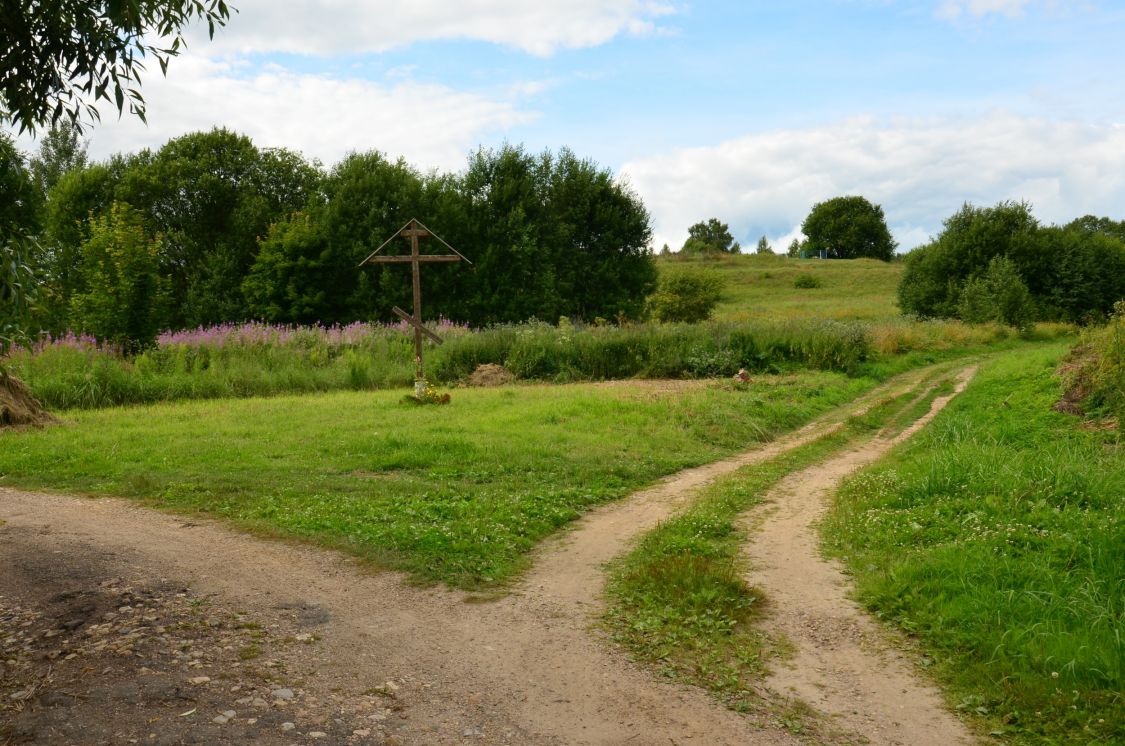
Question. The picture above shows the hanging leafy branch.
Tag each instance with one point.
(60, 57)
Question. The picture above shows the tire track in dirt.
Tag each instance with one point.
(521, 669)
(843, 664)
(568, 567)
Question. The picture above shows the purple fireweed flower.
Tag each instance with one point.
(262, 334)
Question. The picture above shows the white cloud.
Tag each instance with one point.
(919, 171)
(431, 125)
(541, 27)
(954, 9)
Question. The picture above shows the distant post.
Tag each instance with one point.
(414, 231)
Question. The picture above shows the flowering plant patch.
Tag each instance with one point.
(425, 393)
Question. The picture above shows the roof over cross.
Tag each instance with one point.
(414, 230)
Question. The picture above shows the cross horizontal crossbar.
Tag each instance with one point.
(407, 259)
(413, 225)
(416, 323)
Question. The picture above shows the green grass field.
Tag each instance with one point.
(762, 287)
(458, 493)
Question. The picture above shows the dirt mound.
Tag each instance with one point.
(1074, 372)
(490, 374)
(18, 407)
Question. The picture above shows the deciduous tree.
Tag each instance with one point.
(710, 237)
(125, 299)
(1073, 273)
(61, 150)
(60, 57)
(848, 228)
(19, 219)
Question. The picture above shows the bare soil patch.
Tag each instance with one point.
(93, 650)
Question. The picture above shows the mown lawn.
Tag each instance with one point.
(457, 493)
(997, 538)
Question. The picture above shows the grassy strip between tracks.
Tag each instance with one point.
(996, 537)
(679, 600)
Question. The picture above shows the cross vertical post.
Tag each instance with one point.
(416, 271)
(414, 230)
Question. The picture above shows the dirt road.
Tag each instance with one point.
(842, 666)
(301, 645)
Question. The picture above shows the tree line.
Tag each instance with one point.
(987, 264)
(1000, 264)
(210, 228)
(847, 227)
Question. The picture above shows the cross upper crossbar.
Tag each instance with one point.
(415, 230)
(411, 258)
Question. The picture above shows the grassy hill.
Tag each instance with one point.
(761, 287)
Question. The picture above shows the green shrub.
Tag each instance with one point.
(999, 295)
(806, 280)
(686, 295)
(126, 297)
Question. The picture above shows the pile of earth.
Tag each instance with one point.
(491, 374)
(18, 407)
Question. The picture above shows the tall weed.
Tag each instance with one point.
(258, 359)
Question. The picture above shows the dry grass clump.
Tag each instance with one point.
(899, 336)
(18, 408)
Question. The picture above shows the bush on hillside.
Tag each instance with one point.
(805, 280)
(1095, 375)
(686, 295)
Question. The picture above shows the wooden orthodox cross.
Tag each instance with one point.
(414, 231)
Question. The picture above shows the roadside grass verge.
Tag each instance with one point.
(1094, 372)
(457, 494)
(679, 600)
(996, 537)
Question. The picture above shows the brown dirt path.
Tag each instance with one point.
(843, 664)
(522, 669)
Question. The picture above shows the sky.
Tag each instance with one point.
(751, 112)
